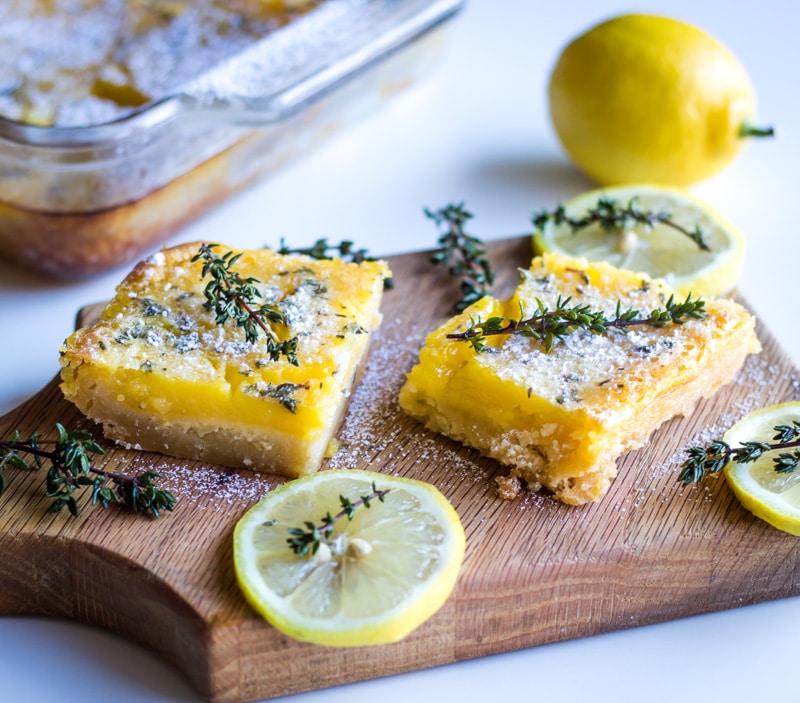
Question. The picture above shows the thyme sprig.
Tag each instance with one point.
(463, 253)
(322, 250)
(707, 460)
(232, 296)
(307, 541)
(550, 326)
(613, 217)
(71, 469)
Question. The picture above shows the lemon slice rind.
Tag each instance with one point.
(409, 501)
(663, 252)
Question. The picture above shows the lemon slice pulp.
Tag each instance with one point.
(374, 580)
(770, 495)
(661, 251)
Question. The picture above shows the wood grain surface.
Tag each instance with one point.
(535, 572)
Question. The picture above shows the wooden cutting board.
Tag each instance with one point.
(536, 571)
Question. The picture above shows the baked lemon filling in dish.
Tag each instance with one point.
(559, 412)
(162, 374)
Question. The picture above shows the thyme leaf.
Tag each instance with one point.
(704, 461)
(550, 326)
(616, 218)
(463, 253)
(231, 296)
(71, 469)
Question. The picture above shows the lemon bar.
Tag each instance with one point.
(560, 418)
(161, 374)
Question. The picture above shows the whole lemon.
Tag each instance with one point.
(642, 98)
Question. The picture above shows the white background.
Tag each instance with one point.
(475, 130)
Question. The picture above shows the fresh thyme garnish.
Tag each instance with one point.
(715, 456)
(550, 325)
(613, 217)
(345, 250)
(283, 393)
(232, 296)
(307, 541)
(71, 469)
(468, 251)
(321, 247)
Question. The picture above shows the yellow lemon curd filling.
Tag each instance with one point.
(560, 418)
(160, 374)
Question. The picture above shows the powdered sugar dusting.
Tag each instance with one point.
(757, 384)
(371, 435)
(368, 431)
(230, 490)
(757, 372)
(212, 488)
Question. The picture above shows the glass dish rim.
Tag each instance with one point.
(405, 21)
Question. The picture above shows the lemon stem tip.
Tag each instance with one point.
(748, 130)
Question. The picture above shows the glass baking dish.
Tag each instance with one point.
(79, 200)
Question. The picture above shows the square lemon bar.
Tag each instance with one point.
(560, 418)
(161, 374)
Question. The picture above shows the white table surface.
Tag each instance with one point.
(476, 130)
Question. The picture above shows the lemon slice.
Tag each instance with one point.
(771, 495)
(661, 251)
(372, 581)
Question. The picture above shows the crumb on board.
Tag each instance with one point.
(508, 487)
